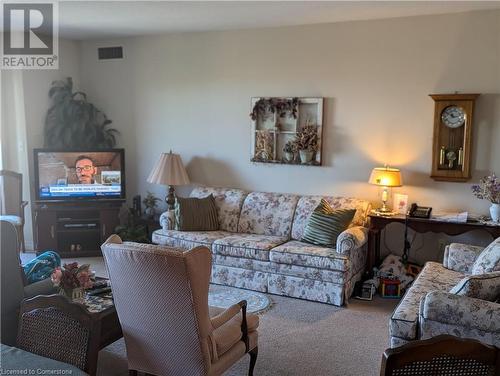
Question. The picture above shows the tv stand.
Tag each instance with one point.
(74, 229)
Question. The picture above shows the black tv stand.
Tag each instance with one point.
(74, 229)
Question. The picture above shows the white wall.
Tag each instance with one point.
(36, 85)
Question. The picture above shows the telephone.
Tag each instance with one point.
(419, 211)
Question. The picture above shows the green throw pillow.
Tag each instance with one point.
(325, 224)
(196, 214)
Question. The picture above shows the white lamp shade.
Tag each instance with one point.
(169, 170)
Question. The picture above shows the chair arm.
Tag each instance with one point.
(459, 312)
(352, 238)
(228, 314)
(43, 287)
(460, 257)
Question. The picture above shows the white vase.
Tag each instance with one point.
(495, 212)
(306, 156)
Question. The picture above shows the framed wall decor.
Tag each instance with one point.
(452, 141)
(287, 130)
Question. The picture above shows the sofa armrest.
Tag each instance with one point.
(450, 310)
(352, 238)
(460, 257)
(167, 220)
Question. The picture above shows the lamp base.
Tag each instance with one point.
(170, 199)
(387, 213)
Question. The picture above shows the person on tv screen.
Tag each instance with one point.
(85, 170)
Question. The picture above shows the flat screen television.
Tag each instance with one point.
(76, 175)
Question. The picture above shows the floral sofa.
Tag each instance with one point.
(429, 308)
(258, 245)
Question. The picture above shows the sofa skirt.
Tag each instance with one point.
(285, 285)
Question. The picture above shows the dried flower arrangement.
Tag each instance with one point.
(488, 189)
(307, 138)
(282, 106)
(72, 276)
(263, 146)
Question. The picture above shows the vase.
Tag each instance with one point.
(305, 156)
(73, 294)
(288, 156)
(495, 212)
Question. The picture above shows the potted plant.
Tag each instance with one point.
(290, 149)
(72, 280)
(150, 202)
(307, 143)
(72, 122)
(489, 189)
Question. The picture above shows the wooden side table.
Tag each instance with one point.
(420, 225)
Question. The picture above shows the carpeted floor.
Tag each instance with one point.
(298, 337)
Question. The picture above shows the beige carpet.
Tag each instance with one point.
(297, 337)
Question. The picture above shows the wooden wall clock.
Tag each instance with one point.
(451, 150)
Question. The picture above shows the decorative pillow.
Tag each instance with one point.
(489, 259)
(196, 214)
(481, 286)
(325, 224)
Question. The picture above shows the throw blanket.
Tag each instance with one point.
(42, 266)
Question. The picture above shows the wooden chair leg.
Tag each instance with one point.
(253, 359)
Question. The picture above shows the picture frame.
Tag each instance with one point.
(400, 203)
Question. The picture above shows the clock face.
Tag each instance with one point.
(453, 116)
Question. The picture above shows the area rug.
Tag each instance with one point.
(225, 296)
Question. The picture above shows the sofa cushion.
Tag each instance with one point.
(325, 224)
(187, 239)
(250, 246)
(228, 334)
(489, 259)
(304, 254)
(196, 214)
(242, 263)
(434, 276)
(307, 204)
(267, 214)
(228, 202)
(480, 286)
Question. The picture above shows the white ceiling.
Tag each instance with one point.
(108, 19)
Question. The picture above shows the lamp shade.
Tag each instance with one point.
(169, 170)
(385, 176)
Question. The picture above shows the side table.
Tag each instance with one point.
(420, 225)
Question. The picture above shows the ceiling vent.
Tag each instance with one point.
(110, 53)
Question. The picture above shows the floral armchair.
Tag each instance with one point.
(459, 297)
(471, 309)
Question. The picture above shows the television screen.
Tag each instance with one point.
(62, 175)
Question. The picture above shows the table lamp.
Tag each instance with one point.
(385, 177)
(170, 171)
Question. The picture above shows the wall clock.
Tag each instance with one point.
(451, 151)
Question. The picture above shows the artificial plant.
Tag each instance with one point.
(74, 123)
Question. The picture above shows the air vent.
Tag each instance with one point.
(109, 53)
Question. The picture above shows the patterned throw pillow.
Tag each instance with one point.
(196, 214)
(325, 224)
(489, 259)
(481, 286)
